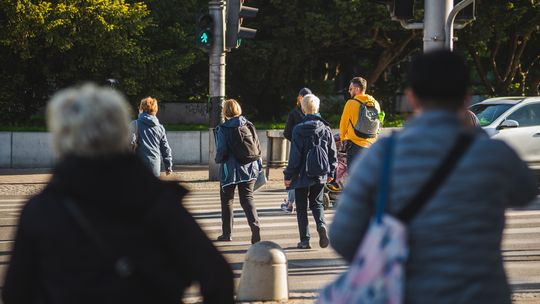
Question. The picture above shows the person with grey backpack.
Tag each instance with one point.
(312, 163)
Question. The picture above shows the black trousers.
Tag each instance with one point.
(311, 196)
(245, 192)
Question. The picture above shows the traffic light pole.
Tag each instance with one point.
(435, 15)
(217, 81)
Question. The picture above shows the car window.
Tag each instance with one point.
(526, 116)
(487, 113)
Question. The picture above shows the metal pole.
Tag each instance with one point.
(449, 27)
(216, 9)
(435, 16)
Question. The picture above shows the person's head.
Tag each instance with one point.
(357, 86)
(148, 105)
(310, 104)
(231, 108)
(88, 121)
(303, 92)
(438, 80)
(469, 119)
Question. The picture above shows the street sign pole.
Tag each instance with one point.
(435, 15)
(217, 81)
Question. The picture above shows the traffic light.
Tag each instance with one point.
(399, 9)
(203, 34)
(236, 11)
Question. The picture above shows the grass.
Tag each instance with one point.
(395, 122)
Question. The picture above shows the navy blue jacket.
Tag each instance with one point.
(301, 142)
(231, 171)
(152, 143)
(295, 117)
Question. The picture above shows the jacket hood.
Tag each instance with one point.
(147, 119)
(116, 182)
(312, 124)
(235, 122)
(365, 98)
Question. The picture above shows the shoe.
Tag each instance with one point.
(224, 238)
(303, 245)
(285, 207)
(255, 236)
(323, 236)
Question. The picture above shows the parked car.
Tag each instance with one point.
(515, 120)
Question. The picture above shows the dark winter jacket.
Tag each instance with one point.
(295, 117)
(231, 171)
(152, 143)
(300, 145)
(136, 215)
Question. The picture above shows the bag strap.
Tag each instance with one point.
(437, 178)
(384, 181)
(122, 265)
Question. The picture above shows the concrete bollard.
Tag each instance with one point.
(264, 274)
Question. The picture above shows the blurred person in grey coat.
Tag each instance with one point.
(455, 239)
(150, 138)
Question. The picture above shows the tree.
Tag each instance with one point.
(503, 45)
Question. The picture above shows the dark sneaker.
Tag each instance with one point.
(323, 236)
(303, 245)
(224, 238)
(255, 236)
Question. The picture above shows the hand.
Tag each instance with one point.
(287, 183)
(329, 179)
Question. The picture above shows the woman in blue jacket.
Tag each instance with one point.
(150, 138)
(233, 173)
(311, 132)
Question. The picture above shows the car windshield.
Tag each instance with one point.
(487, 113)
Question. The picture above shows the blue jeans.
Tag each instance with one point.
(290, 196)
(313, 194)
(352, 153)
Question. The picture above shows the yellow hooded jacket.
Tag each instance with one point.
(350, 116)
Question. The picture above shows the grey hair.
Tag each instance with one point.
(89, 121)
(310, 104)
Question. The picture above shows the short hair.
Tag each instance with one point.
(359, 82)
(89, 121)
(304, 91)
(231, 108)
(310, 104)
(149, 105)
(440, 79)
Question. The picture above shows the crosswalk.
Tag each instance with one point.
(309, 270)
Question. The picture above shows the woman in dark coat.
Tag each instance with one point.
(234, 174)
(139, 245)
(309, 188)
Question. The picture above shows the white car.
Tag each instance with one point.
(515, 120)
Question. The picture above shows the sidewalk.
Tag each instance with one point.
(16, 182)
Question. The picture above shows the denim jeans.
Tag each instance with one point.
(314, 195)
(352, 153)
(245, 192)
(290, 196)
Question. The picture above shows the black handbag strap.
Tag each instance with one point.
(437, 178)
(122, 265)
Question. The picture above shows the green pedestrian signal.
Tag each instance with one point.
(204, 29)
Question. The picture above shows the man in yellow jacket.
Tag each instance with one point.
(349, 118)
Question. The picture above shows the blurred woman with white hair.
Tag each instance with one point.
(312, 163)
(105, 229)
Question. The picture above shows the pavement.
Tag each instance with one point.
(16, 182)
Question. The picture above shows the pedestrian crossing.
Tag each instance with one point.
(311, 269)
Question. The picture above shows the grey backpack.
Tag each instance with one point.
(368, 122)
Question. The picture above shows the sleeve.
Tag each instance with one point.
(344, 121)
(332, 153)
(523, 187)
(221, 146)
(295, 157)
(133, 127)
(287, 132)
(166, 152)
(20, 282)
(356, 202)
(203, 261)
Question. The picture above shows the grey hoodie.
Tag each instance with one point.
(152, 143)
